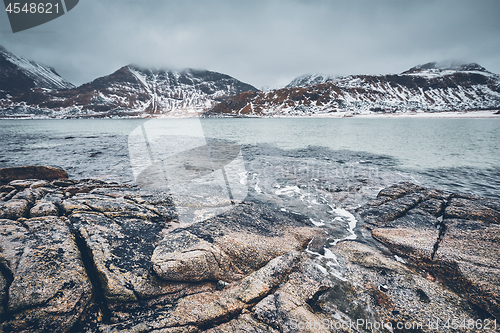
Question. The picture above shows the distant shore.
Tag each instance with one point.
(444, 114)
(420, 114)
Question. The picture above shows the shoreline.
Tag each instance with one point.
(444, 114)
(481, 114)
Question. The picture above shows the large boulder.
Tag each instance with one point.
(31, 172)
(229, 246)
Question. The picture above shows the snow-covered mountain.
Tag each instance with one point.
(134, 90)
(30, 89)
(20, 75)
(422, 88)
(309, 80)
(130, 91)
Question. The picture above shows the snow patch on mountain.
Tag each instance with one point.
(309, 80)
(41, 75)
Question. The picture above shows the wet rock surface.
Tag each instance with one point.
(90, 256)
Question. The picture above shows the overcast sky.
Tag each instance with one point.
(264, 43)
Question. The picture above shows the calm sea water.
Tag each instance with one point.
(452, 154)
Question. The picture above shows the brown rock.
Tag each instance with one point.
(181, 256)
(44, 208)
(209, 308)
(6, 188)
(288, 310)
(399, 190)
(228, 246)
(378, 288)
(475, 210)
(241, 271)
(474, 247)
(414, 235)
(3, 293)
(14, 209)
(31, 172)
(115, 207)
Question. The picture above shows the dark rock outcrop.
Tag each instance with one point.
(31, 172)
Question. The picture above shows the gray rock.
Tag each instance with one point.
(472, 249)
(414, 235)
(287, 309)
(406, 295)
(50, 288)
(243, 324)
(14, 209)
(3, 293)
(459, 248)
(121, 250)
(44, 208)
(206, 308)
(115, 207)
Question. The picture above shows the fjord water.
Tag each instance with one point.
(452, 154)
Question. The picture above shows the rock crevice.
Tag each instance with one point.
(93, 275)
(460, 252)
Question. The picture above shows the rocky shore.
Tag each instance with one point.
(91, 256)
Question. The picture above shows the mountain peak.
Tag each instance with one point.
(18, 73)
(445, 66)
(308, 80)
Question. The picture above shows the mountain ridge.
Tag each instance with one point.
(29, 89)
(422, 88)
(19, 75)
(129, 91)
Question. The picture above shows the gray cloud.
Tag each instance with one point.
(264, 43)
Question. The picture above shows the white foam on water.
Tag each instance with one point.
(351, 223)
(243, 178)
(256, 187)
(289, 190)
(318, 224)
